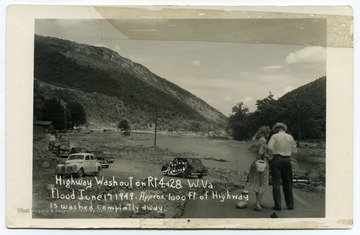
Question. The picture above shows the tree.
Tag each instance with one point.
(195, 126)
(300, 112)
(303, 110)
(76, 114)
(55, 112)
(124, 126)
(268, 111)
(240, 110)
(239, 122)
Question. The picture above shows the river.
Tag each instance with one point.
(232, 153)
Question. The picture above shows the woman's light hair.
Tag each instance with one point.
(262, 132)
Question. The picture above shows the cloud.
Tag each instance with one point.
(142, 30)
(228, 98)
(274, 67)
(247, 73)
(196, 63)
(289, 88)
(100, 45)
(117, 48)
(307, 55)
(68, 23)
(70, 29)
(226, 103)
(250, 103)
(137, 58)
(283, 92)
(274, 79)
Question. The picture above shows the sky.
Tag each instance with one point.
(220, 73)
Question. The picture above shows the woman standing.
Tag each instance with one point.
(259, 169)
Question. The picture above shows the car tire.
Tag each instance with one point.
(80, 173)
(186, 173)
(98, 171)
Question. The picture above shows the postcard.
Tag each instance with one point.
(177, 117)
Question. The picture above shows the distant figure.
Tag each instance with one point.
(282, 145)
(259, 178)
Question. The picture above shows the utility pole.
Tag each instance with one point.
(155, 125)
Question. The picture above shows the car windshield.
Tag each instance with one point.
(76, 157)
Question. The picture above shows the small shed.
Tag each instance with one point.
(47, 126)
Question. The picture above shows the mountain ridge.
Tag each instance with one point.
(92, 69)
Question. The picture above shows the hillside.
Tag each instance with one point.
(306, 109)
(111, 87)
(314, 95)
(302, 109)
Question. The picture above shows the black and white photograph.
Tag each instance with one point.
(171, 113)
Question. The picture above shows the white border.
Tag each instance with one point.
(354, 4)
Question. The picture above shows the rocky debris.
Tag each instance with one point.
(318, 189)
(231, 176)
(46, 164)
(318, 174)
(312, 152)
(317, 180)
(302, 186)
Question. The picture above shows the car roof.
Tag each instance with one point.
(84, 154)
(187, 158)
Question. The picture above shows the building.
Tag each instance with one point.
(47, 126)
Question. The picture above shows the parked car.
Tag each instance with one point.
(77, 150)
(53, 146)
(185, 167)
(299, 175)
(109, 158)
(103, 162)
(79, 164)
(63, 151)
(104, 157)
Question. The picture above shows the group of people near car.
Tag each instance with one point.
(277, 150)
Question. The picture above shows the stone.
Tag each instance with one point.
(46, 165)
(241, 204)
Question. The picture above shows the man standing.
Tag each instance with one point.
(282, 145)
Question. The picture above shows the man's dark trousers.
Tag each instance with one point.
(281, 172)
